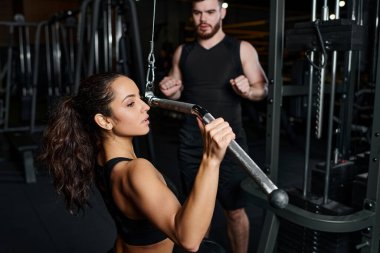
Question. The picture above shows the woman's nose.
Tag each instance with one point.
(145, 106)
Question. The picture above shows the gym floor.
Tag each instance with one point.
(33, 217)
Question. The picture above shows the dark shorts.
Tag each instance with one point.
(230, 194)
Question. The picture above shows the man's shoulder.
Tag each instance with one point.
(187, 47)
(188, 44)
(232, 43)
(232, 39)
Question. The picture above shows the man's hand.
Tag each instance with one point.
(241, 85)
(170, 86)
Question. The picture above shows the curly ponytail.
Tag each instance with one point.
(71, 139)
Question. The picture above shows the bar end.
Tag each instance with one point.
(279, 199)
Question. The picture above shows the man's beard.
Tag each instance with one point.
(206, 36)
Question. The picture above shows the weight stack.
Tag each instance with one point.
(293, 238)
(359, 190)
(340, 181)
(362, 162)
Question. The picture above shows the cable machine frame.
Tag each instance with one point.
(364, 220)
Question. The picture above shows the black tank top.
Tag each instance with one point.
(206, 75)
(134, 232)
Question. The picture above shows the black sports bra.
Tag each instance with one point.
(134, 232)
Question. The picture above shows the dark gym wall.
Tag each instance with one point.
(172, 23)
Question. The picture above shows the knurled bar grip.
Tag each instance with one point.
(277, 198)
(247, 162)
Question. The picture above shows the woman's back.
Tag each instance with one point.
(134, 235)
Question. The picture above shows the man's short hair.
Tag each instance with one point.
(219, 1)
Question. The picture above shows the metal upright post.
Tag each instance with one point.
(365, 221)
(107, 36)
(309, 113)
(56, 58)
(121, 52)
(36, 64)
(274, 99)
(80, 44)
(9, 77)
(351, 83)
(277, 15)
(93, 52)
(370, 236)
(331, 117)
(136, 44)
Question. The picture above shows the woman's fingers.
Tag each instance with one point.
(219, 128)
(218, 135)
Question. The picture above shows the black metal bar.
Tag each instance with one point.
(71, 42)
(276, 45)
(35, 74)
(15, 129)
(65, 57)
(274, 99)
(270, 229)
(121, 53)
(373, 182)
(80, 44)
(94, 26)
(22, 57)
(330, 132)
(16, 24)
(56, 53)
(306, 174)
(315, 221)
(48, 61)
(9, 78)
(275, 86)
(28, 60)
(136, 44)
(109, 42)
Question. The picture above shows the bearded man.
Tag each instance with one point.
(216, 72)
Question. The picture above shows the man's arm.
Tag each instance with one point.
(171, 85)
(253, 85)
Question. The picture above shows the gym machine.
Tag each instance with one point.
(20, 93)
(102, 35)
(316, 221)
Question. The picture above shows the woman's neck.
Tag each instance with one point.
(118, 147)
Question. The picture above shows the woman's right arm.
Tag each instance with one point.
(198, 208)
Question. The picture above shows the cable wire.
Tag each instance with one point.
(150, 76)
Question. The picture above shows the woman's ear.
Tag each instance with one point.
(102, 121)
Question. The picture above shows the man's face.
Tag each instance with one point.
(207, 16)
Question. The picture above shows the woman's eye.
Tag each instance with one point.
(130, 104)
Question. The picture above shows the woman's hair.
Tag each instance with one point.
(71, 139)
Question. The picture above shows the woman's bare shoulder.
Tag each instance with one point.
(135, 169)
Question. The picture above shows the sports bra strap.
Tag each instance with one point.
(108, 166)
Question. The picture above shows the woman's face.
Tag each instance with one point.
(129, 112)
